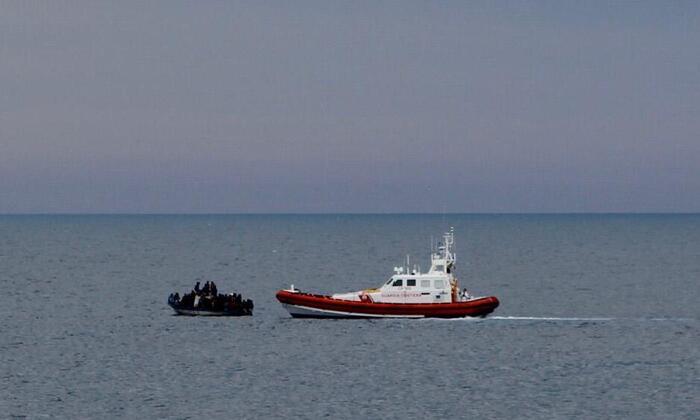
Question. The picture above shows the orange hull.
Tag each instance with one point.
(306, 305)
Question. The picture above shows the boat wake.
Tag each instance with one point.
(547, 318)
(567, 319)
(527, 318)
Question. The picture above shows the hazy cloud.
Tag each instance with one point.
(349, 106)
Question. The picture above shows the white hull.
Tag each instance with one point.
(309, 312)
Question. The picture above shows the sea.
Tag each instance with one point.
(599, 318)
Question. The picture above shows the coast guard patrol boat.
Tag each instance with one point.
(407, 294)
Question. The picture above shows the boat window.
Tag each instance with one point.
(439, 284)
(440, 268)
(389, 281)
(425, 284)
(398, 282)
(411, 282)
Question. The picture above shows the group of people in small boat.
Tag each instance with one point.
(207, 298)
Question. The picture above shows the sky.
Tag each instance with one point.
(349, 107)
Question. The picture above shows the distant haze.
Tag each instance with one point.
(188, 107)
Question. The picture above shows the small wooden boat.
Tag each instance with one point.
(208, 302)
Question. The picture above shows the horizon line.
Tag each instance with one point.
(553, 213)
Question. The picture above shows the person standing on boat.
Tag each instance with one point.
(196, 288)
(465, 294)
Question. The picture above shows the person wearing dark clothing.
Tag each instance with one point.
(248, 306)
(206, 288)
(196, 288)
(213, 288)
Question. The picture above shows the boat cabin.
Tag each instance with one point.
(438, 285)
(415, 288)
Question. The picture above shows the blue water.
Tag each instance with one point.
(599, 317)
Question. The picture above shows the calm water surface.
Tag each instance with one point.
(599, 317)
